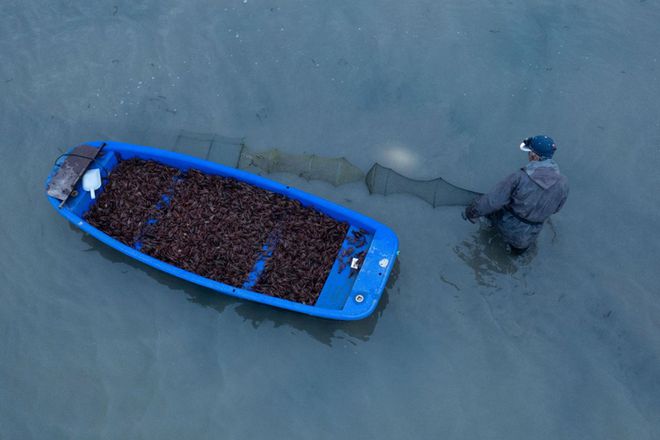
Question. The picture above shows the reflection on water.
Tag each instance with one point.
(323, 330)
(486, 253)
(171, 282)
(398, 156)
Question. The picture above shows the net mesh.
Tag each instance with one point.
(437, 192)
(337, 171)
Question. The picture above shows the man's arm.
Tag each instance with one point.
(495, 199)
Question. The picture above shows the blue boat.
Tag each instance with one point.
(346, 294)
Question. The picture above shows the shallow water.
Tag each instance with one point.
(467, 343)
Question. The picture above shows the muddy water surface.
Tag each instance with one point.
(467, 343)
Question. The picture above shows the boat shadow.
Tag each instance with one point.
(325, 331)
(258, 315)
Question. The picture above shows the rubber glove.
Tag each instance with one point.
(470, 214)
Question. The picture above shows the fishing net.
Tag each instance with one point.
(437, 192)
(336, 171)
(216, 148)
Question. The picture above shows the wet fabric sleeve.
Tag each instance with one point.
(499, 197)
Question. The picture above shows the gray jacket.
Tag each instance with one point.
(520, 204)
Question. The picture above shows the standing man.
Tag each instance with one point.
(519, 204)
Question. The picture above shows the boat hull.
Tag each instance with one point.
(343, 297)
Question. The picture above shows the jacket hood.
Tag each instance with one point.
(545, 173)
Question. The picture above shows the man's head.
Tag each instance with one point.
(539, 147)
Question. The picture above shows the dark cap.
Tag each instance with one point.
(543, 146)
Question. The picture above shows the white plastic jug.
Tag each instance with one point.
(92, 181)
